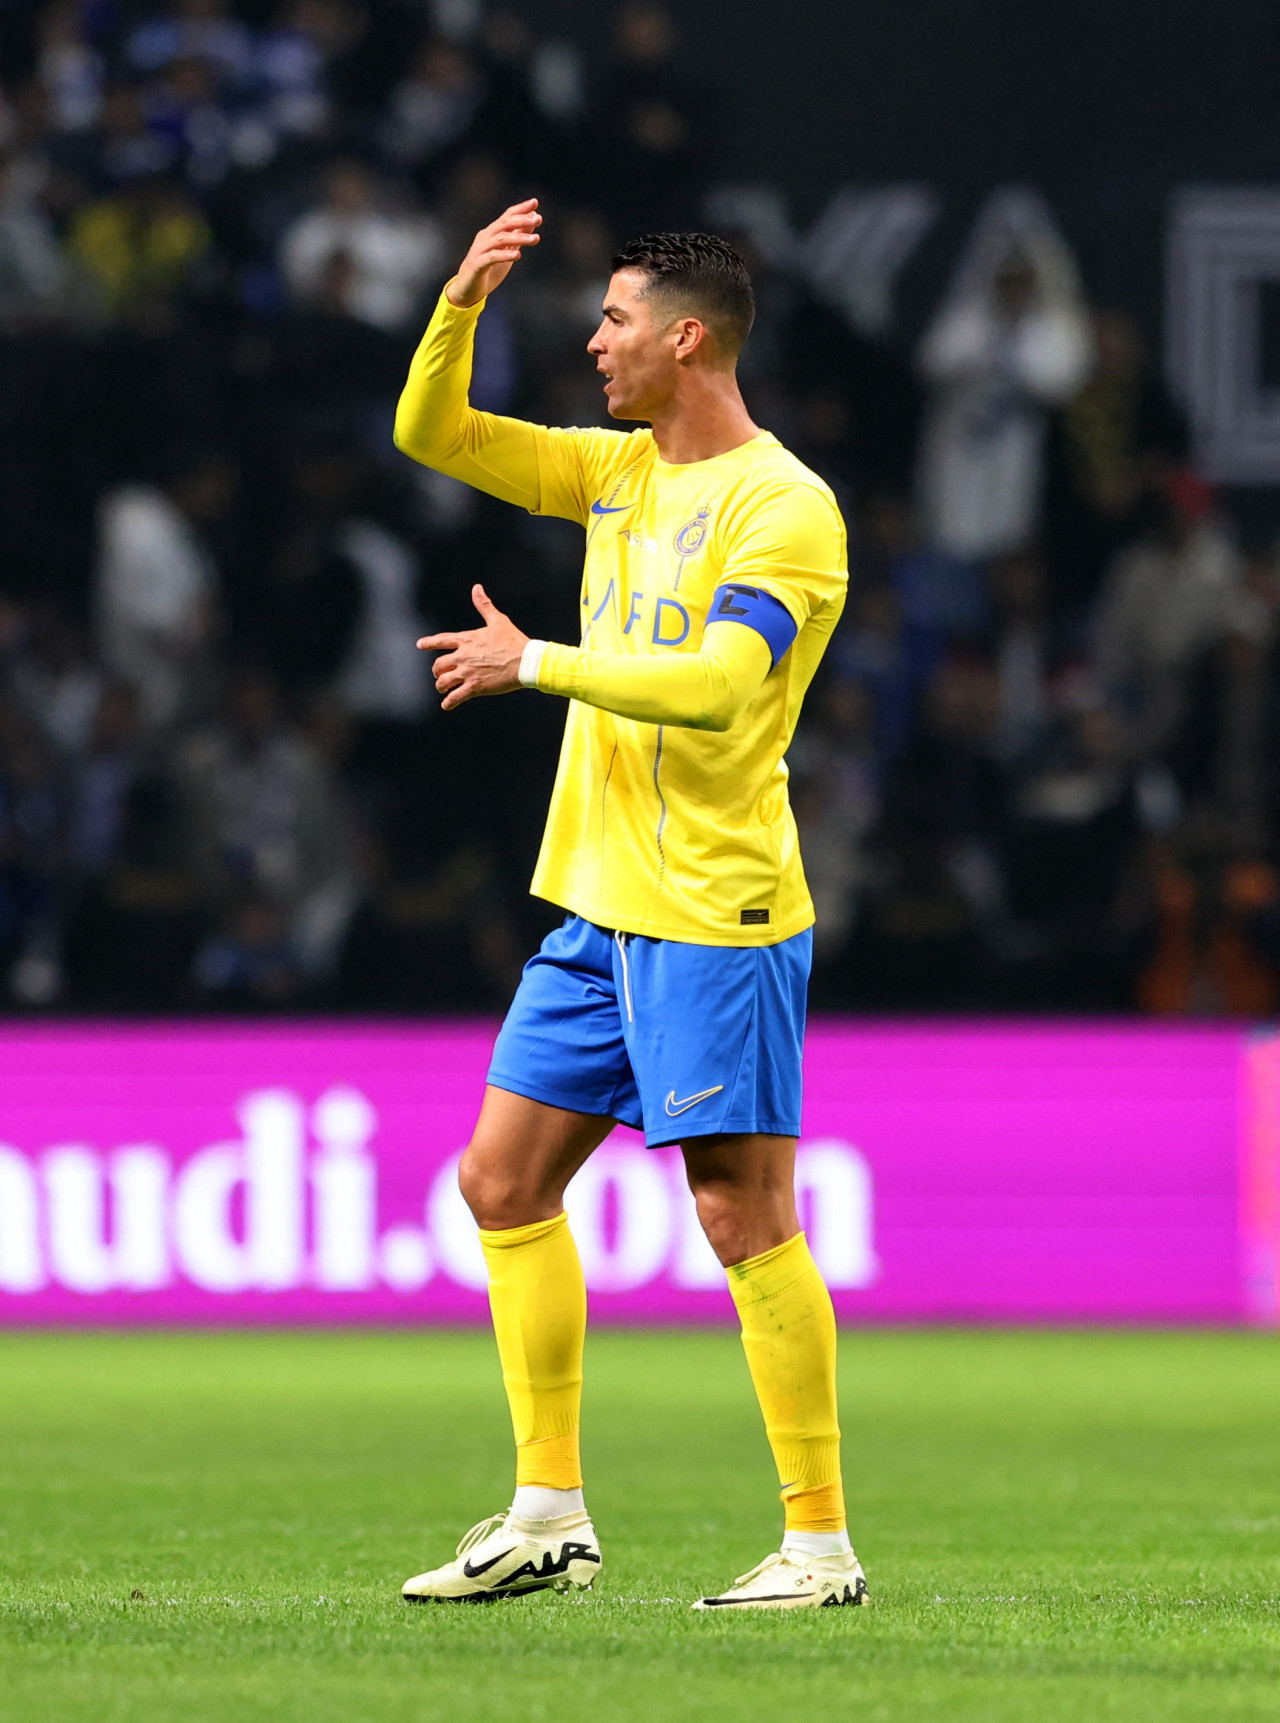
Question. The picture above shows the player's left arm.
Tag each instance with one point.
(704, 690)
(788, 559)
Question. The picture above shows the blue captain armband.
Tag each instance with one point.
(755, 609)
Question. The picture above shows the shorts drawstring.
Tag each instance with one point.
(620, 940)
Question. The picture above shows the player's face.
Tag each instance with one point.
(633, 351)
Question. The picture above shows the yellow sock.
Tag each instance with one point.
(539, 1303)
(789, 1336)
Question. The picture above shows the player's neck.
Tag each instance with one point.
(707, 417)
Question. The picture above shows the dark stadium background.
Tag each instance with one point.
(261, 906)
(268, 841)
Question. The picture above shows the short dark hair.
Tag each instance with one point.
(700, 270)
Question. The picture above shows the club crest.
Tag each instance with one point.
(688, 540)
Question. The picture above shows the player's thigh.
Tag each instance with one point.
(756, 1165)
(521, 1156)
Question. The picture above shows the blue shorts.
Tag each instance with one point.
(679, 1041)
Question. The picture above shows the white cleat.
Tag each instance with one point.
(790, 1580)
(507, 1557)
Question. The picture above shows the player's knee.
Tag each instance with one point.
(481, 1191)
(498, 1198)
(741, 1222)
(721, 1216)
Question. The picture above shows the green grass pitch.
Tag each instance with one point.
(198, 1527)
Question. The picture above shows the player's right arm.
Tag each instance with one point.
(541, 470)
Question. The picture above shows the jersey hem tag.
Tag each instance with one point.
(754, 918)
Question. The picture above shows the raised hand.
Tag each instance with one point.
(493, 250)
(481, 660)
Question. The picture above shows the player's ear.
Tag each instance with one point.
(691, 337)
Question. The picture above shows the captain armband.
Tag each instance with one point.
(768, 616)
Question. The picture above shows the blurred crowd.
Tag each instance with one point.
(1039, 770)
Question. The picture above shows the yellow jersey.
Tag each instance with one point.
(657, 828)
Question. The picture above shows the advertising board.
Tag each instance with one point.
(289, 1173)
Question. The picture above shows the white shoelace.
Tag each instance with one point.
(481, 1531)
(777, 1559)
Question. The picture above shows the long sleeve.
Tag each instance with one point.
(542, 469)
(704, 690)
(437, 425)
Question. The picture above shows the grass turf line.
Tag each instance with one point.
(1055, 1526)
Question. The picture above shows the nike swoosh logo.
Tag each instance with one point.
(747, 1603)
(484, 1566)
(675, 1107)
(598, 508)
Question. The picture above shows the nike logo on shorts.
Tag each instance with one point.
(675, 1107)
(598, 508)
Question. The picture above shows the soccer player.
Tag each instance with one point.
(673, 997)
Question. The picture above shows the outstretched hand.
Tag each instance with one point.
(493, 250)
(481, 660)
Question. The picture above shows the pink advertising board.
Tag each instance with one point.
(293, 1173)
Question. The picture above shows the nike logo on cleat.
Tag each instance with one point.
(850, 1595)
(484, 1566)
(674, 1107)
(550, 1566)
(598, 508)
(751, 1602)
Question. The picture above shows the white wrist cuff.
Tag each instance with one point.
(531, 662)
